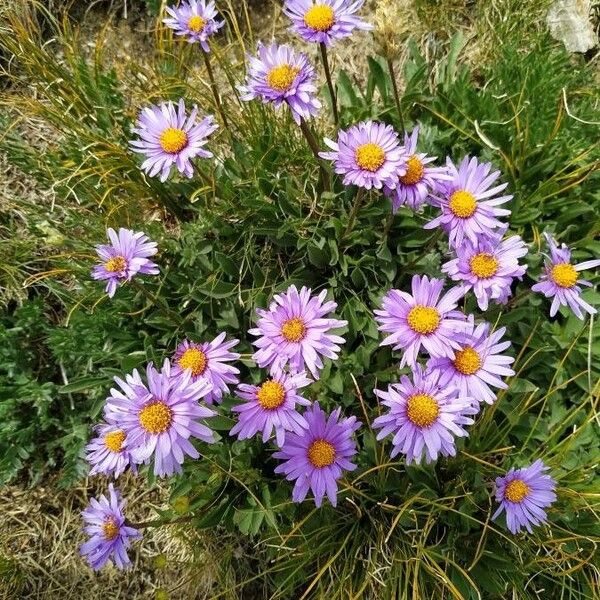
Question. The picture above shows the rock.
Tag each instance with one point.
(569, 22)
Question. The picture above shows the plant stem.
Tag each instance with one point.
(158, 302)
(160, 522)
(336, 117)
(355, 208)
(213, 87)
(314, 146)
(390, 65)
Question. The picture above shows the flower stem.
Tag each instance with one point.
(160, 522)
(314, 146)
(354, 212)
(213, 87)
(158, 302)
(336, 117)
(390, 65)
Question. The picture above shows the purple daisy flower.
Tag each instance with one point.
(469, 206)
(168, 137)
(295, 331)
(282, 76)
(324, 21)
(420, 179)
(488, 266)
(523, 494)
(478, 363)
(271, 405)
(208, 361)
(109, 536)
(160, 417)
(126, 256)
(421, 319)
(194, 19)
(368, 155)
(317, 456)
(424, 415)
(561, 281)
(108, 452)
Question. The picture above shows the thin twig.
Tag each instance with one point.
(336, 117)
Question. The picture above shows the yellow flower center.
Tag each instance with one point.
(369, 157)
(320, 17)
(110, 529)
(282, 77)
(422, 410)
(483, 265)
(423, 319)
(271, 395)
(467, 361)
(173, 140)
(196, 24)
(156, 417)
(463, 204)
(321, 454)
(114, 440)
(115, 264)
(194, 359)
(564, 275)
(293, 330)
(516, 490)
(414, 171)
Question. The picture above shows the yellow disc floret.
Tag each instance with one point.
(321, 454)
(414, 171)
(516, 490)
(467, 361)
(196, 24)
(564, 275)
(271, 395)
(156, 417)
(116, 264)
(423, 319)
(462, 204)
(319, 17)
(173, 140)
(293, 330)
(422, 410)
(281, 78)
(369, 157)
(483, 265)
(114, 440)
(194, 359)
(110, 529)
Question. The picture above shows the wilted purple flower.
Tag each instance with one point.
(282, 76)
(561, 281)
(368, 155)
(295, 331)
(468, 204)
(109, 536)
(271, 405)
(420, 179)
(523, 494)
(208, 361)
(126, 256)
(108, 452)
(168, 137)
(488, 266)
(317, 457)
(324, 21)
(424, 416)
(478, 363)
(160, 417)
(421, 319)
(194, 19)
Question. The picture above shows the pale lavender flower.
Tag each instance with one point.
(280, 75)
(424, 416)
(271, 405)
(524, 494)
(421, 319)
(317, 457)
(170, 138)
(110, 537)
(561, 281)
(296, 331)
(194, 19)
(208, 361)
(324, 21)
(108, 453)
(159, 417)
(125, 256)
(468, 202)
(368, 155)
